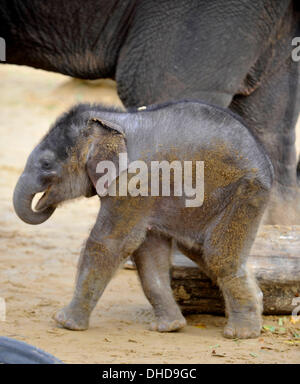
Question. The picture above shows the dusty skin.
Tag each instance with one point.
(38, 263)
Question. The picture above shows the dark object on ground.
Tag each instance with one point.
(17, 352)
(274, 260)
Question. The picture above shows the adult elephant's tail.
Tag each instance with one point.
(298, 171)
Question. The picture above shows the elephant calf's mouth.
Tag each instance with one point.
(43, 202)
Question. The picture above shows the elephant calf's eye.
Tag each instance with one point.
(46, 165)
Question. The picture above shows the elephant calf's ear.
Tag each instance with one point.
(103, 159)
(104, 126)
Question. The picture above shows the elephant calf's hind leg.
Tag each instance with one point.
(153, 264)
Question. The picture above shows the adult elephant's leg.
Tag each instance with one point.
(153, 264)
(271, 112)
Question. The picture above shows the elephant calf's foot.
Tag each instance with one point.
(71, 319)
(242, 326)
(165, 324)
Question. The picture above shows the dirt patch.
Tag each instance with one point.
(38, 264)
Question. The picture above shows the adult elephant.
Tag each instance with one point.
(234, 53)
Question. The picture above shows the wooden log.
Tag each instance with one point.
(274, 260)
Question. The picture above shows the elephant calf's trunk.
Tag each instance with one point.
(22, 200)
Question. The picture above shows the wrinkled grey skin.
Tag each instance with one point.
(233, 53)
(218, 235)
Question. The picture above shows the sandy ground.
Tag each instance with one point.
(38, 264)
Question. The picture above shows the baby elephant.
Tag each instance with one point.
(215, 229)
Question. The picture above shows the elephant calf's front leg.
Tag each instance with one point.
(95, 269)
